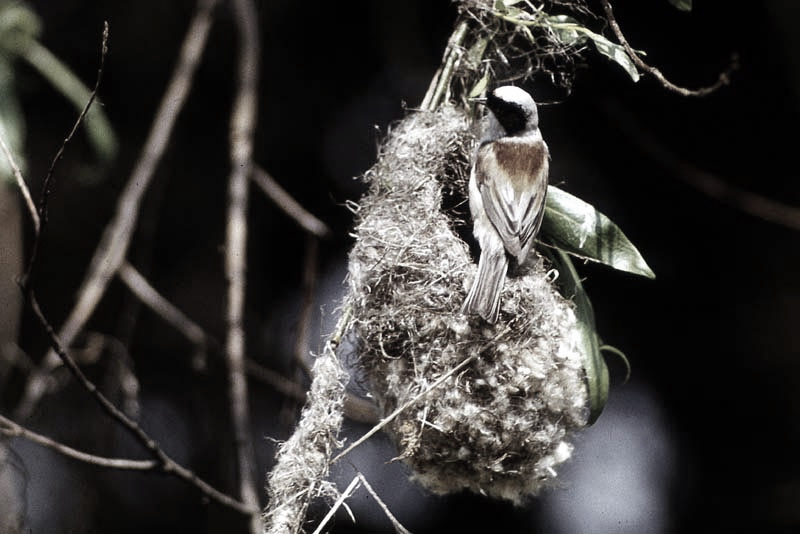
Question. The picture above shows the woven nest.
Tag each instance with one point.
(500, 425)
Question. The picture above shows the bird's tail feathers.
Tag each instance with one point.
(484, 296)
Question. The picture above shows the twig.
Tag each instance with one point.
(275, 380)
(398, 527)
(338, 504)
(165, 463)
(114, 244)
(440, 83)
(724, 77)
(196, 335)
(388, 419)
(243, 122)
(48, 180)
(715, 187)
(11, 429)
(36, 385)
(97, 125)
(23, 187)
(140, 287)
(289, 205)
(351, 488)
(355, 408)
(202, 341)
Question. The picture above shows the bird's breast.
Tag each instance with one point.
(519, 162)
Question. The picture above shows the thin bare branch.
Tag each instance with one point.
(275, 380)
(289, 205)
(48, 180)
(114, 244)
(243, 123)
(11, 429)
(440, 84)
(351, 488)
(165, 463)
(141, 287)
(23, 187)
(398, 527)
(36, 385)
(723, 79)
(355, 408)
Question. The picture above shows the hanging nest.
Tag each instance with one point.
(500, 425)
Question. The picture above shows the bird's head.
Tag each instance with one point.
(514, 109)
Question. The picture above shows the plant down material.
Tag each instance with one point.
(500, 425)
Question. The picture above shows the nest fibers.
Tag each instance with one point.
(499, 425)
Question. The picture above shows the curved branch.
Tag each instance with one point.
(11, 429)
(164, 462)
(724, 77)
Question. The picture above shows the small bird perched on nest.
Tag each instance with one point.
(507, 189)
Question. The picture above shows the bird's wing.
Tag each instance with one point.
(512, 178)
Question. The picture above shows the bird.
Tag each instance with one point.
(507, 190)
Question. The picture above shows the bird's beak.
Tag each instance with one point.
(478, 99)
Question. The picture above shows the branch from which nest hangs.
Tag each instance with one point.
(441, 80)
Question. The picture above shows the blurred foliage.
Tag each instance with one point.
(683, 5)
(20, 30)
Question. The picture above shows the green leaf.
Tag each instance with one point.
(566, 29)
(578, 228)
(479, 87)
(19, 25)
(594, 364)
(621, 355)
(683, 5)
(615, 53)
(569, 31)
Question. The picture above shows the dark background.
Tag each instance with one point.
(703, 438)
